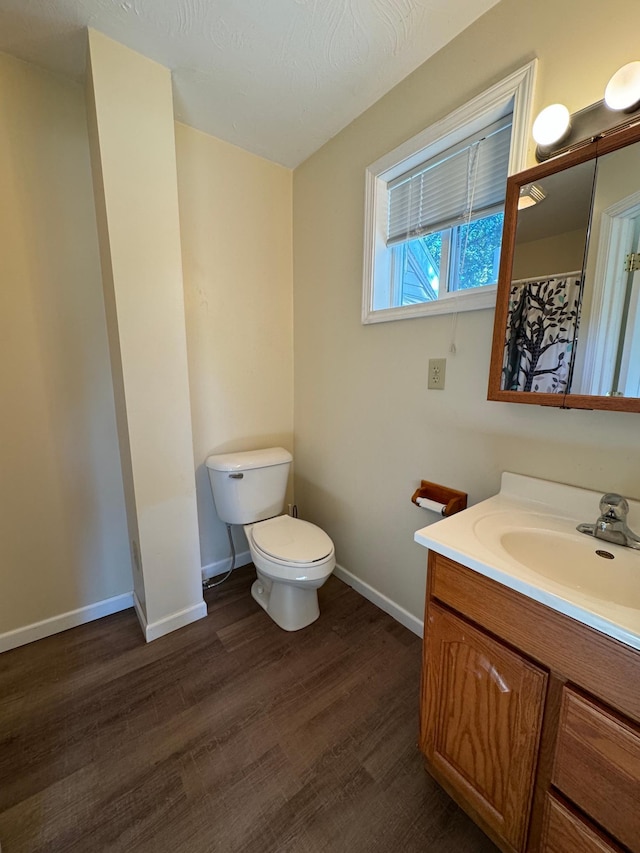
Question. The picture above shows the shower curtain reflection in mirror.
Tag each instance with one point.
(541, 333)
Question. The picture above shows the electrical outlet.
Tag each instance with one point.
(437, 370)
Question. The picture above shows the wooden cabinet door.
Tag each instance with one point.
(482, 710)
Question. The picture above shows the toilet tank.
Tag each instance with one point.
(249, 486)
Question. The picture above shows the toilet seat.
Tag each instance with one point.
(291, 541)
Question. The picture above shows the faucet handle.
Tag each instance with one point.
(614, 506)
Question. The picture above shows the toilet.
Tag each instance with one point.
(293, 558)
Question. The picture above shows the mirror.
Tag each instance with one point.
(567, 328)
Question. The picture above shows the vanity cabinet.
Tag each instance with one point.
(529, 719)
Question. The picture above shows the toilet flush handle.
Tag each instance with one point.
(236, 476)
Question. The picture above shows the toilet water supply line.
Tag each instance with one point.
(210, 583)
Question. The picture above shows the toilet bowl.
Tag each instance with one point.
(293, 558)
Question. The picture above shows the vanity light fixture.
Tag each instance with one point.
(530, 194)
(623, 90)
(556, 131)
(552, 125)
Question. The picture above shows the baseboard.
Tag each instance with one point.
(155, 630)
(221, 567)
(56, 624)
(371, 594)
(142, 619)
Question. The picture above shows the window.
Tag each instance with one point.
(434, 208)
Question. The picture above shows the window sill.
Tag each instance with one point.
(452, 303)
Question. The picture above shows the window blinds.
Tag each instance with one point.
(453, 187)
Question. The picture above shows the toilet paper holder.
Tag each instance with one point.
(444, 500)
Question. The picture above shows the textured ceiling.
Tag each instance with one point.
(276, 77)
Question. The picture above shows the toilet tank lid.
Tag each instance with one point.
(249, 459)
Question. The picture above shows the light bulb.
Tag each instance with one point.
(551, 125)
(623, 90)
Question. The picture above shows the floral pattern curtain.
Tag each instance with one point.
(541, 333)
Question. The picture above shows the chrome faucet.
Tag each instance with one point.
(612, 524)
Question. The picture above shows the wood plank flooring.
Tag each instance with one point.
(228, 735)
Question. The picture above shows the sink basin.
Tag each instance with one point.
(525, 538)
(594, 567)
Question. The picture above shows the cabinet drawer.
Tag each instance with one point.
(597, 766)
(565, 832)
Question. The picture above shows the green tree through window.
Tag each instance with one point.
(469, 259)
(479, 264)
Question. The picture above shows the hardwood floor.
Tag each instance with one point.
(228, 735)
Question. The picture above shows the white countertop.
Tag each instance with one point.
(542, 511)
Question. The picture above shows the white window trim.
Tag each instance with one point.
(516, 89)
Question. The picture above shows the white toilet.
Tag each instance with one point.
(293, 558)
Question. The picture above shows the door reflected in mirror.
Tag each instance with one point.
(608, 353)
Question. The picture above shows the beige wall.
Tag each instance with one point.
(366, 427)
(63, 539)
(135, 184)
(235, 218)
(550, 255)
